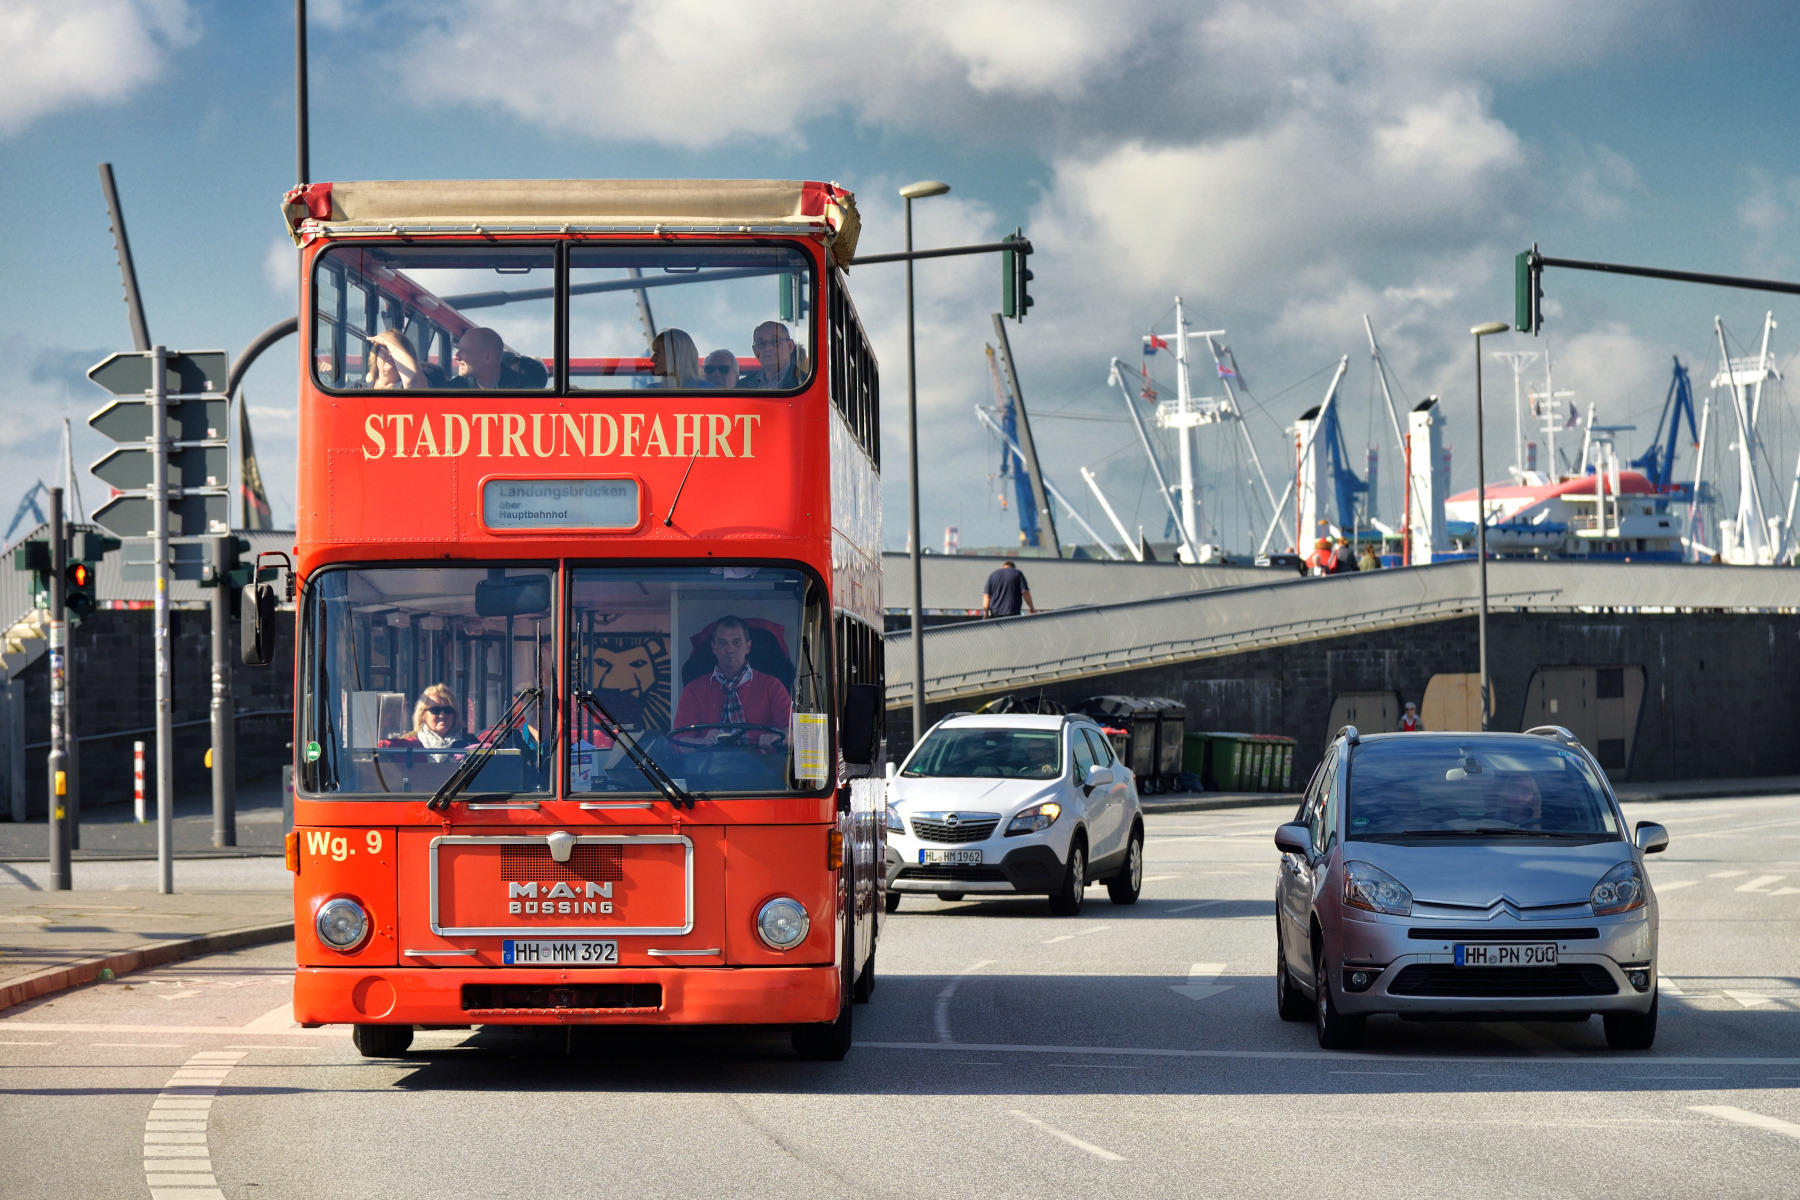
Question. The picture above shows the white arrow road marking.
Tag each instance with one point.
(1745, 1117)
(1053, 1131)
(1759, 883)
(1199, 985)
(1749, 999)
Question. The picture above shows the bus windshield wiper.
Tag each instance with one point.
(484, 750)
(651, 769)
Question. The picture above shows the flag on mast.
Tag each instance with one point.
(250, 485)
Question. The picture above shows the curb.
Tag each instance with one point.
(87, 970)
(1239, 800)
(1721, 793)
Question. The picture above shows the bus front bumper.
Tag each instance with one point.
(566, 996)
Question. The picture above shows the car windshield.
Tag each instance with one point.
(987, 753)
(1474, 786)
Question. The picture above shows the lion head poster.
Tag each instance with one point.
(630, 674)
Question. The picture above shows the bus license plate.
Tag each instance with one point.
(950, 858)
(559, 954)
(1507, 955)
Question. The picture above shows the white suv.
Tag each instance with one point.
(1014, 804)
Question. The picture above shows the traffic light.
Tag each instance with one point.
(86, 548)
(1015, 278)
(34, 556)
(233, 574)
(78, 590)
(1528, 290)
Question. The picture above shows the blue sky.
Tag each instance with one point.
(1284, 166)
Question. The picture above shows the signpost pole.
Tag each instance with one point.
(159, 510)
(224, 720)
(58, 773)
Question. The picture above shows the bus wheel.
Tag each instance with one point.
(382, 1041)
(893, 902)
(865, 981)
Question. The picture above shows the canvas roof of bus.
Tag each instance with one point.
(717, 206)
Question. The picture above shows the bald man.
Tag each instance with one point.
(777, 356)
(481, 361)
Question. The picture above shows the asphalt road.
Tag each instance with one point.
(1129, 1052)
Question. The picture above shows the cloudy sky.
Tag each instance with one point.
(1284, 166)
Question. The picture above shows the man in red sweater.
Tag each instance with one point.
(734, 693)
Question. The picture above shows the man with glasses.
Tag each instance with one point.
(778, 356)
(721, 369)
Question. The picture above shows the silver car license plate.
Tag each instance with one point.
(560, 953)
(950, 858)
(1507, 954)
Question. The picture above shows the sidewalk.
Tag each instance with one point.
(112, 832)
(1707, 789)
(1186, 802)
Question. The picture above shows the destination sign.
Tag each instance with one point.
(560, 504)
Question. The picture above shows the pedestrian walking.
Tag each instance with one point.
(1343, 558)
(1409, 720)
(1370, 561)
(1006, 592)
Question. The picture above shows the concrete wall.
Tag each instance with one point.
(113, 664)
(1722, 691)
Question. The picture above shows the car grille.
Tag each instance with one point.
(967, 829)
(954, 873)
(1458, 933)
(480, 997)
(1443, 979)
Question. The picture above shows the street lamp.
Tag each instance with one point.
(911, 192)
(1481, 331)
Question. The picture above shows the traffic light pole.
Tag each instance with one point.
(159, 531)
(58, 773)
(224, 719)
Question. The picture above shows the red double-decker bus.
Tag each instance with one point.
(588, 658)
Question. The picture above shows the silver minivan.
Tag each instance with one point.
(1471, 876)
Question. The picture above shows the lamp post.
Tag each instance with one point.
(1481, 331)
(911, 192)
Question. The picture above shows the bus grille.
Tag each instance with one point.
(528, 864)
(487, 997)
(968, 829)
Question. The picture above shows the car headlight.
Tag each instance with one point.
(782, 923)
(1372, 889)
(1619, 890)
(342, 924)
(1034, 819)
(894, 823)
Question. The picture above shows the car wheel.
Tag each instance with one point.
(1124, 887)
(952, 896)
(865, 982)
(1632, 1031)
(1336, 1031)
(1290, 1002)
(382, 1041)
(893, 902)
(1066, 900)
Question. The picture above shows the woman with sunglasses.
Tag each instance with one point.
(437, 725)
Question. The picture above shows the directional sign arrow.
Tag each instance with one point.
(189, 420)
(130, 467)
(189, 516)
(1198, 986)
(188, 371)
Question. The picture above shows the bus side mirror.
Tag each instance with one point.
(256, 630)
(856, 732)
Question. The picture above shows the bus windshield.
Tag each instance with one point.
(715, 673)
(408, 667)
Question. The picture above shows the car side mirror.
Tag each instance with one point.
(256, 633)
(1294, 838)
(862, 715)
(1651, 838)
(1097, 776)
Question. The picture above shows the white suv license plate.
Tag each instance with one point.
(1509, 954)
(559, 954)
(950, 858)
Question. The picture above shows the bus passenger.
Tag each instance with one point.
(734, 693)
(721, 369)
(776, 351)
(482, 361)
(675, 361)
(392, 362)
(437, 725)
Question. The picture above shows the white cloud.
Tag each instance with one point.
(60, 55)
(281, 269)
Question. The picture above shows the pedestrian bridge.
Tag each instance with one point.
(981, 658)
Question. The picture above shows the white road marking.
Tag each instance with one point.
(1339, 1056)
(139, 1045)
(1749, 999)
(1726, 874)
(941, 1017)
(1053, 1131)
(1745, 1117)
(1759, 883)
(1095, 929)
(227, 1030)
(1786, 891)
(1675, 886)
(177, 1161)
(1742, 829)
(1200, 983)
(278, 1019)
(1067, 937)
(1202, 904)
(27, 1043)
(1665, 984)
(1159, 878)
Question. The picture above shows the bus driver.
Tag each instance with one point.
(735, 693)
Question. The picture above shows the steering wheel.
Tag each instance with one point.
(737, 731)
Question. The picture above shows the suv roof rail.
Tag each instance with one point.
(1557, 732)
(1349, 734)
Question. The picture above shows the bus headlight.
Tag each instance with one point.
(342, 924)
(782, 923)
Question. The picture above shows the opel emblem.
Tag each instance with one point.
(952, 820)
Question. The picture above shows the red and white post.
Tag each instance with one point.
(137, 780)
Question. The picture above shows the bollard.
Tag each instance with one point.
(137, 781)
